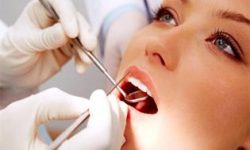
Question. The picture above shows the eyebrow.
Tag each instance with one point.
(184, 1)
(227, 15)
(233, 16)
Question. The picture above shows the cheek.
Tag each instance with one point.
(210, 98)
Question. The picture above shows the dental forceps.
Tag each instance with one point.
(76, 42)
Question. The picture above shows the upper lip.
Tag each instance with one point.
(144, 77)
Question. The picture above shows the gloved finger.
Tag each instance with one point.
(83, 56)
(50, 38)
(80, 65)
(123, 113)
(99, 125)
(120, 110)
(68, 17)
(88, 39)
(99, 109)
(39, 15)
(58, 105)
(115, 109)
(115, 119)
(119, 121)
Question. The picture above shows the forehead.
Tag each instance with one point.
(241, 6)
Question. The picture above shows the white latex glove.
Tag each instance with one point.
(36, 47)
(19, 122)
(105, 128)
(114, 49)
(3, 28)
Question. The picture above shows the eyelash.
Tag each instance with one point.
(218, 34)
(162, 11)
(236, 49)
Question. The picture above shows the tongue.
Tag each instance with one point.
(148, 106)
(141, 105)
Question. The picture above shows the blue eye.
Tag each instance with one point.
(165, 15)
(225, 43)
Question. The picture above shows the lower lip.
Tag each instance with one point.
(134, 114)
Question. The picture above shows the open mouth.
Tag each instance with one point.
(131, 85)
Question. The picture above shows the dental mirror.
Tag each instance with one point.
(136, 97)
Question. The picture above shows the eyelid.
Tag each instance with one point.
(231, 39)
(175, 14)
(171, 10)
(235, 42)
(239, 57)
(215, 50)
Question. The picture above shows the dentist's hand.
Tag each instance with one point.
(19, 122)
(36, 46)
(105, 128)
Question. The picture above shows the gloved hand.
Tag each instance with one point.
(105, 128)
(36, 47)
(19, 121)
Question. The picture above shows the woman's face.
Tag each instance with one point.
(194, 59)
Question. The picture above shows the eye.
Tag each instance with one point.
(166, 16)
(225, 43)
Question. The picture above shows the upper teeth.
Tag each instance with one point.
(140, 85)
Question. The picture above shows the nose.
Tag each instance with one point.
(162, 53)
(166, 48)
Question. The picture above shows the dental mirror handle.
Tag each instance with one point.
(65, 134)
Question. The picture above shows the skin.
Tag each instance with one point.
(202, 92)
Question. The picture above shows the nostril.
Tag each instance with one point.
(159, 57)
(155, 57)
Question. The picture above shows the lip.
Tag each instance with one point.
(142, 75)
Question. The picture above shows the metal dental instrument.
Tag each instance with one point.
(93, 58)
(136, 97)
(76, 42)
(65, 134)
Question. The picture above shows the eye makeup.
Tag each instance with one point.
(226, 43)
(220, 40)
(166, 14)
